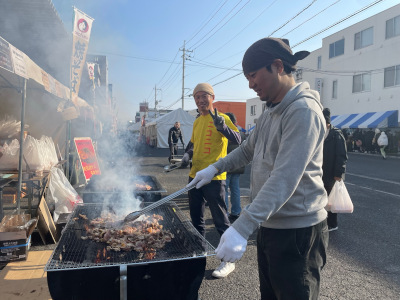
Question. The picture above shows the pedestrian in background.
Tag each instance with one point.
(383, 142)
(174, 135)
(334, 162)
(210, 136)
(375, 140)
(287, 198)
(233, 179)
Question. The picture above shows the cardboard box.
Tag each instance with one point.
(14, 242)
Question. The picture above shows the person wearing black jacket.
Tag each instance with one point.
(334, 162)
(174, 135)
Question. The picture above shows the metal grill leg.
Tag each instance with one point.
(123, 282)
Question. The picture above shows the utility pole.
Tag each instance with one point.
(155, 100)
(183, 72)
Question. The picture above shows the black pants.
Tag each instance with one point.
(290, 261)
(214, 194)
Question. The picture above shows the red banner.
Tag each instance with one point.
(87, 157)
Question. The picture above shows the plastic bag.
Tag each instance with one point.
(61, 193)
(10, 157)
(339, 200)
(33, 154)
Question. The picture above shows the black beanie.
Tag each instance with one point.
(263, 52)
(327, 115)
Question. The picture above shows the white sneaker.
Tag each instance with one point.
(224, 269)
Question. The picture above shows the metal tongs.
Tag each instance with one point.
(136, 214)
(172, 167)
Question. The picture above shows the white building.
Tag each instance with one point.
(357, 72)
(254, 109)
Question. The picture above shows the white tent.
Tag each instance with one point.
(158, 129)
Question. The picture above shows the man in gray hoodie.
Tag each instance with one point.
(287, 192)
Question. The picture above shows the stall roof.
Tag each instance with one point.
(381, 119)
(34, 27)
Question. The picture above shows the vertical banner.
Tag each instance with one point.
(80, 41)
(90, 67)
(87, 157)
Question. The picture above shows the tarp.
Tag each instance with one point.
(381, 119)
(159, 128)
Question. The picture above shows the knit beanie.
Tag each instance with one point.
(203, 87)
(263, 52)
(327, 115)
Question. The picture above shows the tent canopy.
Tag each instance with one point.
(381, 119)
(160, 127)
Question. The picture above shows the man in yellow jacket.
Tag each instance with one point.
(210, 136)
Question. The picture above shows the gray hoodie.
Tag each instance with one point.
(285, 149)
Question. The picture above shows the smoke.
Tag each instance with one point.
(120, 171)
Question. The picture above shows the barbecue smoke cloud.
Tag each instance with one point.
(119, 169)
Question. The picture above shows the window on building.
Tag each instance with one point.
(393, 27)
(362, 83)
(334, 89)
(252, 110)
(319, 62)
(392, 76)
(336, 48)
(364, 38)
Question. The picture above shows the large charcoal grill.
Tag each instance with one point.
(98, 189)
(79, 270)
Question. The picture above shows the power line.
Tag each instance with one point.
(310, 18)
(222, 25)
(159, 82)
(338, 22)
(227, 79)
(262, 12)
(208, 21)
(213, 66)
(329, 27)
(226, 71)
(290, 20)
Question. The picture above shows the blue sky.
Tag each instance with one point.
(142, 39)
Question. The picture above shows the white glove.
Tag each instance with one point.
(231, 246)
(203, 177)
(185, 160)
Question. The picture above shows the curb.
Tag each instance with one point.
(388, 155)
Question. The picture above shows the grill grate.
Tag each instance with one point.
(74, 253)
(98, 184)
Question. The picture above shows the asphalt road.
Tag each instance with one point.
(363, 255)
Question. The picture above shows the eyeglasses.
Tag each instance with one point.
(203, 96)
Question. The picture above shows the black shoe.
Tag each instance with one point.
(232, 218)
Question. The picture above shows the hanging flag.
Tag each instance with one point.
(90, 67)
(80, 41)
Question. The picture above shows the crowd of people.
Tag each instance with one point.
(366, 140)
